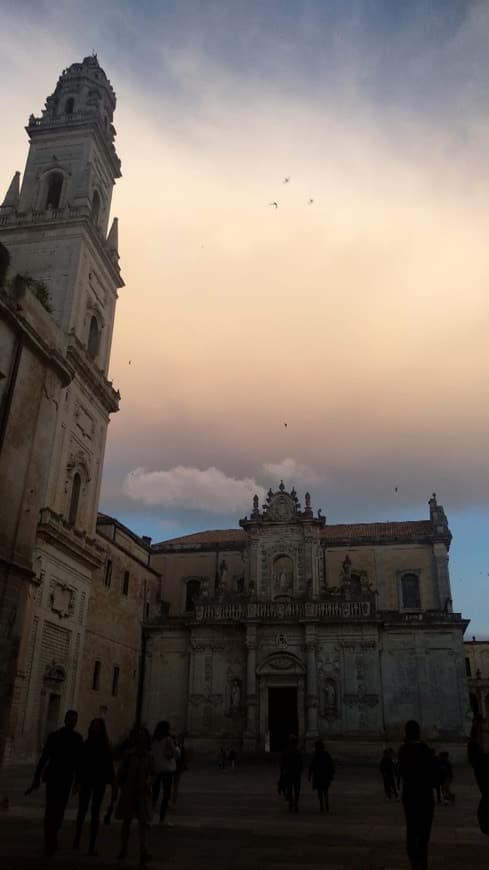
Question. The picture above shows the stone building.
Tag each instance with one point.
(292, 625)
(125, 591)
(477, 671)
(33, 375)
(55, 228)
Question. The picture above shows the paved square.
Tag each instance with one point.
(234, 820)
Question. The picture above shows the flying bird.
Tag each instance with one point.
(275, 204)
(286, 179)
(310, 201)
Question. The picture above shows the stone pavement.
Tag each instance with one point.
(234, 820)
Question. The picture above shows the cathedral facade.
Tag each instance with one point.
(291, 625)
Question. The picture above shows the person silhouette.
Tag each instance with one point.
(418, 774)
(95, 772)
(57, 767)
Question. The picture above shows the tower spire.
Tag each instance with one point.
(13, 193)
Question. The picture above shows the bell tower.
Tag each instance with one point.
(55, 227)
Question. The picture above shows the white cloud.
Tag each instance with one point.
(199, 489)
(289, 471)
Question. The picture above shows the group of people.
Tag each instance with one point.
(149, 766)
(321, 772)
(442, 776)
(153, 766)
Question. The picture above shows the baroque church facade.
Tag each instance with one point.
(291, 625)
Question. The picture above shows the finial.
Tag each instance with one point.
(307, 499)
(13, 193)
(281, 487)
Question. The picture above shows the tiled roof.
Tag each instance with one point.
(376, 531)
(409, 530)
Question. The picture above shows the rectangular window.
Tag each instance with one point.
(96, 676)
(125, 583)
(146, 610)
(468, 669)
(410, 591)
(108, 573)
(115, 682)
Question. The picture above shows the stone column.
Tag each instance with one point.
(251, 681)
(312, 682)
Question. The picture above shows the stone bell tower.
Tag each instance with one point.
(55, 226)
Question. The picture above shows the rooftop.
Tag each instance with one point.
(348, 533)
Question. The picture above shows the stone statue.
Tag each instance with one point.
(307, 499)
(235, 695)
(346, 567)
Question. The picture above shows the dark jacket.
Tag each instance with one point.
(480, 763)
(291, 766)
(95, 766)
(321, 769)
(417, 768)
(387, 767)
(60, 756)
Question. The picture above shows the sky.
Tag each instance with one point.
(360, 319)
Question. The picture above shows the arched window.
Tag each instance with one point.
(69, 105)
(283, 575)
(95, 207)
(410, 593)
(55, 186)
(93, 338)
(192, 592)
(75, 499)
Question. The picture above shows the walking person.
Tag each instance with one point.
(95, 773)
(57, 767)
(416, 767)
(388, 771)
(181, 767)
(446, 777)
(132, 792)
(165, 754)
(479, 760)
(291, 773)
(321, 771)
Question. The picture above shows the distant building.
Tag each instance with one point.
(125, 591)
(477, 670)
(290, 625)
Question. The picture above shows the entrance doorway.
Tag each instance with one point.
(282, 715)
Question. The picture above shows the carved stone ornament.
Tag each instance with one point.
(62, 600)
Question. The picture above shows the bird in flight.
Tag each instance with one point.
(310, 201)
(275, 204)
(286, 179)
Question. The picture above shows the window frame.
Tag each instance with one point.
(97, 670)
(402, 606)
(125, 583)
